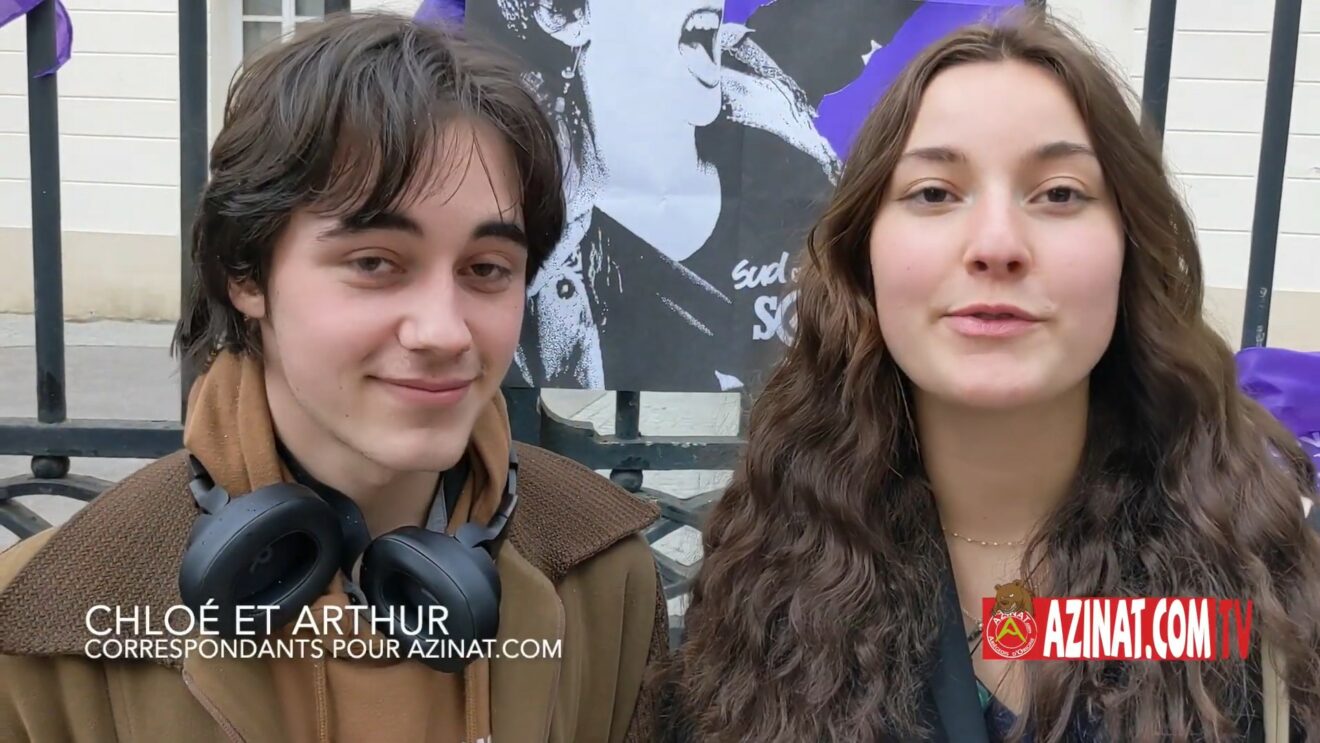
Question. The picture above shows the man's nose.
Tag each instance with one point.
(436, 321)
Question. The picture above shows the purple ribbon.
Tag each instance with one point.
(1287, 384)
(446, 11)
(11, 9)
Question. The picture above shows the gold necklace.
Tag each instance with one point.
(985, 543)
(980, 626)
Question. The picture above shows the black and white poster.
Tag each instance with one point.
(703, 138)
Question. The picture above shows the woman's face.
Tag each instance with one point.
(997, 248)
(647, 58)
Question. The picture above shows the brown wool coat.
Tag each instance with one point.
(574, 569)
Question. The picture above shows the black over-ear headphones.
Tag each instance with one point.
(281, 544)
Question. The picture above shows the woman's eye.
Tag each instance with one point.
(1064, 195)
(933, 195)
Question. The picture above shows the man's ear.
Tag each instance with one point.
(567, 26)
(248, 299)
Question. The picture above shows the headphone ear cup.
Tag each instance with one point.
(277, 546)
(411, 569)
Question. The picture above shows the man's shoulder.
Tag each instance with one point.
(16, 556)
(567, 514)
(139, 495)
(122, 548)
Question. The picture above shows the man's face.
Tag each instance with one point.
(383, 342)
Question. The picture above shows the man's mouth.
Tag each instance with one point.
(696, 44)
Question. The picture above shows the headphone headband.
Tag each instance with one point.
(472, 535)
(211, 497)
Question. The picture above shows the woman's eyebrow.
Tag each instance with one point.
(947, 155)
(1049, 151)
(1061, 149)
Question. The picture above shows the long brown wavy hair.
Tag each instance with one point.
(813, 615)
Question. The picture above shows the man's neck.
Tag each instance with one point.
(996, 475)
(387, 499)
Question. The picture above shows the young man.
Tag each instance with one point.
(381, 193)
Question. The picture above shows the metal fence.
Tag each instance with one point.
(51, 438)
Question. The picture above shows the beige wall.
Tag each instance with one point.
(120, 162)
(1216, 109)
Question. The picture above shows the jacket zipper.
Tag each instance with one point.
(228, 728)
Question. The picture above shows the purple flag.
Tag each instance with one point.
(11, 9)
(842, 113)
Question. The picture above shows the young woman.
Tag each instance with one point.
(1001, 373)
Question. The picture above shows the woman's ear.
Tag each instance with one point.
(248, 299)
(567, 25)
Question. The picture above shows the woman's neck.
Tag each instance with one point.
(657, 159)
(997, 474)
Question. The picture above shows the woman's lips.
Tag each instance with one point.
(697, 46)
(981, 326)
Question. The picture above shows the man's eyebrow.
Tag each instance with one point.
(356, 223)
(501, 229)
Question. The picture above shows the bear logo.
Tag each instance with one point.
(1013, 597)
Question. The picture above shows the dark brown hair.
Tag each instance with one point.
(812, 617)
(348, 118)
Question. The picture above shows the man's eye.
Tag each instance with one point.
(490, 271)
(371, 264)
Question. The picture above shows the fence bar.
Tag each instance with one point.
(627, 427)
(627, 415)
(127, 439)
(193, 145)
(524, 405)
(1270, 175)
(47, 271)
(1159, 57)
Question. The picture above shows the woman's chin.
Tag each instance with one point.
(1003, 393)
(703, 105)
